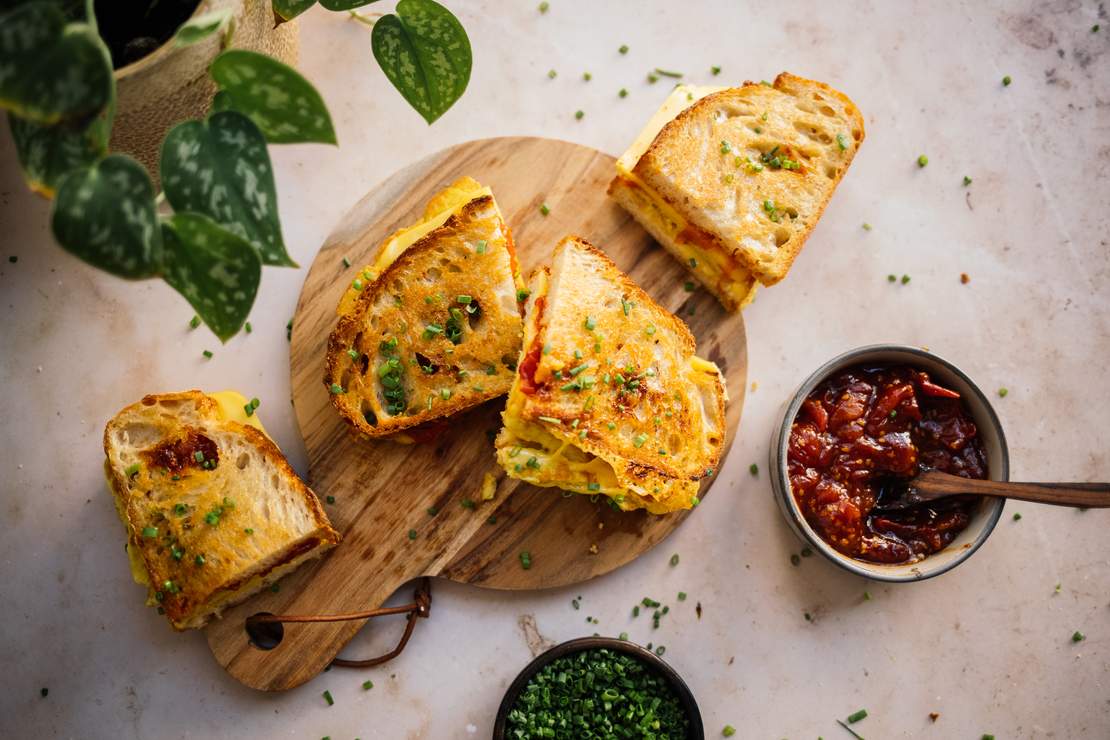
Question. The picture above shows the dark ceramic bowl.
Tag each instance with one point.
(990, 431)
(685, 697)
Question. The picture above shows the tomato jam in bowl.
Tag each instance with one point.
(859, 428)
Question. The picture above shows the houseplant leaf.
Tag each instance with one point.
(50, 70)
(425, 53)
(48, 153)
(290, 9)
(345, 4)
(282, 103)
(201, 27)
(105, 214)
(219, 167)
(215, 270)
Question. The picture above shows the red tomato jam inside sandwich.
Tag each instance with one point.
(861, 432)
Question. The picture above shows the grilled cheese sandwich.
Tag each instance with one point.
(212, 510)
(433, 326)
(609, 398)
(732, 180)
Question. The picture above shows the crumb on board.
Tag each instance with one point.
(964, 278)
(755, 385)
(489, 486)
(934, 716)
(593, 549)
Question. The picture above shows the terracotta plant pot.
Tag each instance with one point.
(171, 84)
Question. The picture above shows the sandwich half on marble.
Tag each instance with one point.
(608, 397)
(732, 180)
(213, 512)
(433, 327)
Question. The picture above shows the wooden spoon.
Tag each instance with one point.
(933, 485)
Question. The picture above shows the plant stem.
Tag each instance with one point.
(90, 15)
(368, 19)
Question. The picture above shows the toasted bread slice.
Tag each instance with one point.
(436, 332)
(748, 171)
(609, 398)
(212, 509)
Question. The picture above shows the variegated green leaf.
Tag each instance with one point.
(290, 9)
(425, 53)
(48, 153)
(201, 27)
(222, 101)
(215, 270)
(220, 168)
(50, 71)
(345, 4)
(284, 105)
(105, 214)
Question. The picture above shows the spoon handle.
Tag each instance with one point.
(933, 485)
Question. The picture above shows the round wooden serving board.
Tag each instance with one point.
(383, 490)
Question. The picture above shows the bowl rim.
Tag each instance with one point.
(784, 493)
(696, 730)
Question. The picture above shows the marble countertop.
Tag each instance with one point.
(987, 646)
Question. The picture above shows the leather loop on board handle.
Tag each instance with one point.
(421, 607)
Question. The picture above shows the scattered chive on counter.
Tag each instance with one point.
(728, 731)
(674, 560)
(207, 354)
(857, 716)
(544, 6)
(623, 49)
(586, 76)
(578, 114)
(327, 697)
(544, 209)
(967, 181)
(715, 70)
(1002, 392)
(367, 685)
(753, 469)
(552, 74)
(194, 322)
(623, 93)
(1017, 516)
(1078, 636)
(1006, 81)
(597, 693)
(922, 160)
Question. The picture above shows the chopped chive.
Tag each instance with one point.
(753, 469)
(689, 286)
(795, 560)
(905, 279)
(866, 226)
(652, 78)
(715, 70)
(1078, 636)
(525, 560)
(327, 697)
(922, 161)
(132, 470)
(668, 73)
(464, 299)
(336, 389)
(522, 295)
(857, 716)
(623, 93)
(207, 354)
(346, 262)
(1006, 81)
(544, 209)
(552, 74)
(330, 499)
(578, 114)
(480, 247)
(841, 142)
(589, 323)
(194, 322)
(149, 532)
(367, 685)
(639, 440)
(586, 76)
(353, 354)
(967, 181)
(674, 560)
(728, 731)
(412, 534)
(623, 49)
(891, 278)
(682, 596)
(1002, 392)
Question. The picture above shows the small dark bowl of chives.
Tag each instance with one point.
(654, 666)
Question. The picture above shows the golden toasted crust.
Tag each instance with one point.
(408, 316)
(599, 352)
(715, 164)
(207, 534)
